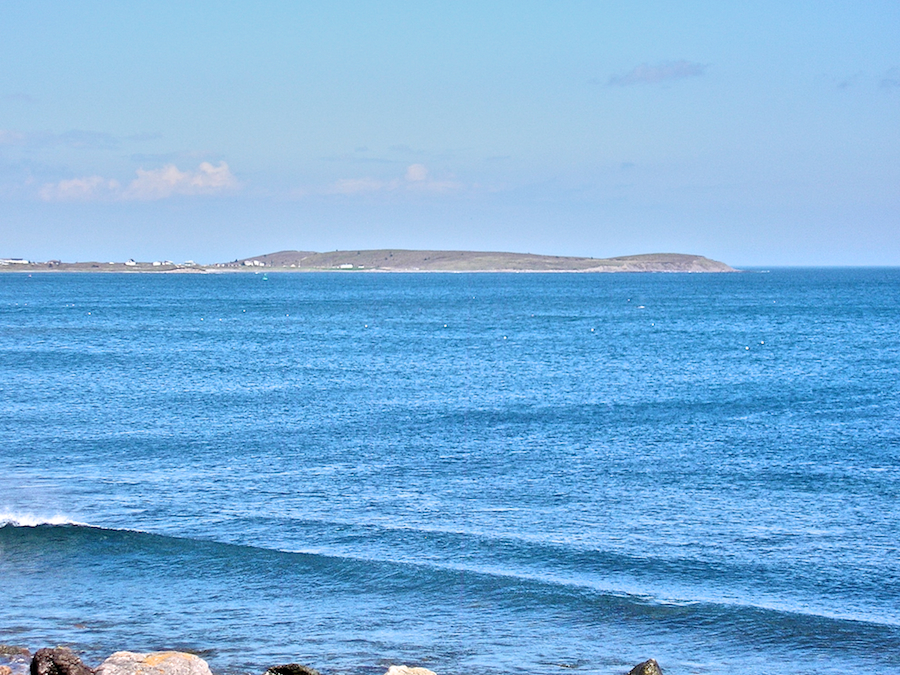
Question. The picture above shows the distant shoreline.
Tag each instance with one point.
(392, 260)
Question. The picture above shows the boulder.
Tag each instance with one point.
(291, 669)
(648, 667)
(5, 670)
(154, 663)
(58, 661)
(407, 670)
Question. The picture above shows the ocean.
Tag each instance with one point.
(481, 474)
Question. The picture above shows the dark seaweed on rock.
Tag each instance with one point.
(291, 669)
(58, 661)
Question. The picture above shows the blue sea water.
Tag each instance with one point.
(476, 473)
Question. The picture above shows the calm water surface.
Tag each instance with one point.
(477, 473)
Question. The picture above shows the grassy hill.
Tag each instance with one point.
(397, 260)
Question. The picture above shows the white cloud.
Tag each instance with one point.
(149, 185)
(416, 173)
(84, 189)
(415, 179)
(170, 180)
(668, 70)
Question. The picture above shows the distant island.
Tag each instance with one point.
(395, 260)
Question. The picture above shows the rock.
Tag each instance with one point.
(649, 667)
(407, 670)
(13, 650)
(154, 663)
(291, 669)
(58, 661)
(15, 660)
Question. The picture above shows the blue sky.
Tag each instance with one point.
(755, 133)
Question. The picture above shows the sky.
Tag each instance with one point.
(759, 134)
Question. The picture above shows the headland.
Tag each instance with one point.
(393, 260)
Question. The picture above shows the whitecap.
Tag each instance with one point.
(31, 520)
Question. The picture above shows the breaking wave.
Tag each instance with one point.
(32, 520)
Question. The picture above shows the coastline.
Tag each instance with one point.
(63, 660)
(384, 260)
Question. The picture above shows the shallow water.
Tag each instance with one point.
(478, 473)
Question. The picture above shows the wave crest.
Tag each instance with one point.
(31, 520)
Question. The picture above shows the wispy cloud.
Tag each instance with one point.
(849, 81)
(417, 178)
(667, 70)
(160, 157)
(19, 97)
(416, 173)
(150, 185)
(8, 137)
(394, 154)
(74, 138)
(352, 186)
(145, 136)
(359, 158)
(89, 188)
(77, 138)
(891, 79)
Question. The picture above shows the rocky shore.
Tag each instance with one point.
(64, 661)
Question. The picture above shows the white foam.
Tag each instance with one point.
(31, 520)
